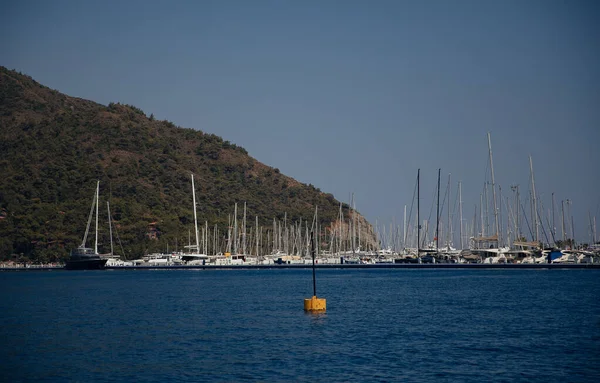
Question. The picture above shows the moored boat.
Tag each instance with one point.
(85, 258)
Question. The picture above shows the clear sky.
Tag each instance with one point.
(350, 96)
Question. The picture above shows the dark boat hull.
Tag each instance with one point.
(86, 264)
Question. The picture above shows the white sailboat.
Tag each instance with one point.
(488, 247)
(194, 257)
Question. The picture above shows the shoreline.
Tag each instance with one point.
(472, 266)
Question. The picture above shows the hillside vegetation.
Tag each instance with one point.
(54, 147)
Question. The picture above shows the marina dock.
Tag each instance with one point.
(431, 266)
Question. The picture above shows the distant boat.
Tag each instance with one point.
(194, 258)
(85, 258)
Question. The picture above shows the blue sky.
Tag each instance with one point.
(350, 96)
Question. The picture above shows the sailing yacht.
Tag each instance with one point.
(194, 258)
(488, 247)
(85, 258)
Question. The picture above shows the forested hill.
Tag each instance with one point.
(53, 149)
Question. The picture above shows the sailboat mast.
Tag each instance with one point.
(340, 220)
(244, 231)
(460, 212)
(518, 202)
(448, 229)
(474, 223)
(437, 223)
(404, 228)
(594, 230)
(481, 213)
(229, 234)
(110, 227)
(286, 246)
(553, 224)
(274, 236)
(570, 206)
(215, 235)
(500, 216)
(195, 217)
(359, 236)
(493, 186)
(97, 203)
(353, 224)
(257, 237)
(562, 208)
(534, 198)
(591, 227)
(486, 198)
(235, 233)
(418, 211)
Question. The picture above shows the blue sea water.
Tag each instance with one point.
(249, 325)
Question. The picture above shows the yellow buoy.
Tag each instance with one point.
(315, 304)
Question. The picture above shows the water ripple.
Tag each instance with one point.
(223, 326)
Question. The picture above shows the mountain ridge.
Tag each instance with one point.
(54, 147)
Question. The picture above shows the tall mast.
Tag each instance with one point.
(448, 229)
(206, 232)
(89, 221)
(486, 198)
(244, 231)
(340, 220)
(195, 217)
(562, 208)
(359, 236)
(235, 233)
(569, 205)
(591, 227)
(276, 236)
(354, 217)
(404, 228)
(474, 223)
(285, 233)
(110, 228)
(500, 216)
(257, 236)
(534, 199)
(437, 223)
(515, 188)
(509, 220)
(553, 224)
(481, 213)
(493, 187)
(460, 212)
(97, 203)
(229, 233)
(418, 211)
(351, 222)
(594, 230)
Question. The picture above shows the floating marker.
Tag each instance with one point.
(314, 303)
